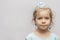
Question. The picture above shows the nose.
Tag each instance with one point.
(43, 21)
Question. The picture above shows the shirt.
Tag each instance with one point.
(32, 36)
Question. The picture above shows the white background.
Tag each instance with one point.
(16, 18)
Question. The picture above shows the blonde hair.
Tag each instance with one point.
(42, 6)
(35, 13)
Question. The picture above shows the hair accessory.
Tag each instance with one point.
(41, 5)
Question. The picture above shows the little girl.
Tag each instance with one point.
(42, 17)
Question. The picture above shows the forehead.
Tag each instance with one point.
(43, 12)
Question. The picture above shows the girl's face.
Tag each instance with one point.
(43, 19)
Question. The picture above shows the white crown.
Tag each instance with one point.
(42, 5)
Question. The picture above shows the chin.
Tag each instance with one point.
(43, 29)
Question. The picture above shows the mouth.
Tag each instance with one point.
(43, 25)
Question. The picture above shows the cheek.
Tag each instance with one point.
(38, 22)
(48, 21)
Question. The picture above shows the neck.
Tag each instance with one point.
(42, 31)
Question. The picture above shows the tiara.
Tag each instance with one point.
(42, 5)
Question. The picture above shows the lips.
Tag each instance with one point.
(43, 25)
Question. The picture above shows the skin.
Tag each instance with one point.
(43, 21)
